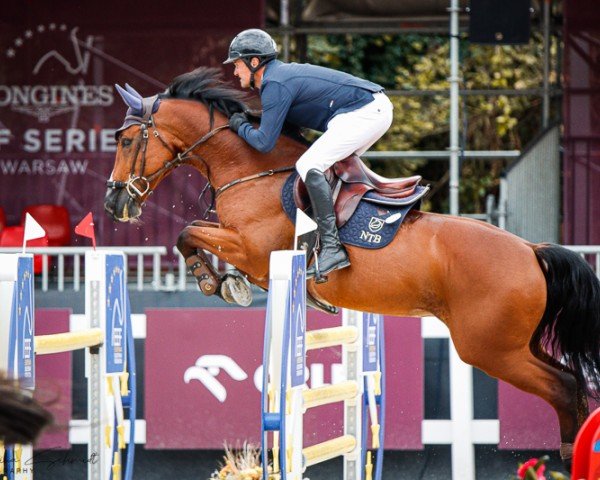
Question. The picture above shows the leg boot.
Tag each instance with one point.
(332, 255)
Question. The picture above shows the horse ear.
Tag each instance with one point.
(132, 90)
(130, 100)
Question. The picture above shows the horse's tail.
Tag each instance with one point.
(570, 326)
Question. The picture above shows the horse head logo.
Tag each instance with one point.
(82, 59)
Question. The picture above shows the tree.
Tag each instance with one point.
(421, 122)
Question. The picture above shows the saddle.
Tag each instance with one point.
(350, 180)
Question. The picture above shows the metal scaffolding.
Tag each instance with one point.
(456, 23)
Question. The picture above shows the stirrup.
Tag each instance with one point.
(321, 277)
(318, 277)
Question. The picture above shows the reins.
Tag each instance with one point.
(266, 173)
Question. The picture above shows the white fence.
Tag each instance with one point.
(53, 265)
(61, 267)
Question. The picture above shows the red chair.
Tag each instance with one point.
(54, 219)
(13, 237)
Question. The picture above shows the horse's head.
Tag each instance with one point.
(142, 157)
(148, 150)
(163, 132)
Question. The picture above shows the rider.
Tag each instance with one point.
(353, 114)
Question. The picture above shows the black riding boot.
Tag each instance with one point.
(332, 255)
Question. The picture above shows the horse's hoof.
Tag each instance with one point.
(234, 289)
(226, 294)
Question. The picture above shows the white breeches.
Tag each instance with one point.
(348, 133)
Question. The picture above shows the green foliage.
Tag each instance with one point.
(372, 57)
(421, 122)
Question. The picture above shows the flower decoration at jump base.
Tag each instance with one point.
(532, 469)
(535, 469)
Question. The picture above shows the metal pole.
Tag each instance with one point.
(454, 107)
(502, 210)
(546, 86)
(442, 154)
(284, 21)
(461, 374)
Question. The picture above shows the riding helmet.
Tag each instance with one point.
(252, 43)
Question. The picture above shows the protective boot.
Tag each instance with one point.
(332, 255)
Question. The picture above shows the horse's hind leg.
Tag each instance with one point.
(549, 381)
(566, 448)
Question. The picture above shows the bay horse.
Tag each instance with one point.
(528, 314)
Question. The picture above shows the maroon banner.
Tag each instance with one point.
(526, 421)
(58, 107)
(54, 379)
(203, 374)
(581, 120)
(405, 383)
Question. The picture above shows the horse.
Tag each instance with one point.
(527, 314)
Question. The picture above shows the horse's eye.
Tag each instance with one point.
(125, 142)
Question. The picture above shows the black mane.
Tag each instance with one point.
(207, 86)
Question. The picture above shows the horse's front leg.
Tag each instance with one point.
(207, 277)
(225, 244)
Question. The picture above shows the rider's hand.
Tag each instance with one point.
(236, 121)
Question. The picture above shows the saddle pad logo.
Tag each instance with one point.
(376, 224)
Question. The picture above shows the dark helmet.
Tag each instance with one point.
(252, 43)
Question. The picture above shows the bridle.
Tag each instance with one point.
(139, 185)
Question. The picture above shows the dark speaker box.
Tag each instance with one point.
(499, 22)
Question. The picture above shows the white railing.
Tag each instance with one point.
(76, 253)
(587, 250)
(159, 278)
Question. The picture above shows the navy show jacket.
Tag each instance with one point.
(305, 95)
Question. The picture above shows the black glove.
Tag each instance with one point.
(236, 121)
